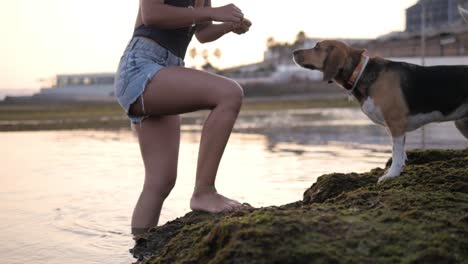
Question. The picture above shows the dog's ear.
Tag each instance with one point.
(333, 63)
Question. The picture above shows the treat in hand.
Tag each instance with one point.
(242, 27)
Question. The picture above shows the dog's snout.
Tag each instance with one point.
(298, 56)
(297, 53)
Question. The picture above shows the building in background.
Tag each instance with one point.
(80, 87)
(446, 43)
(449, 41)
(439, 14)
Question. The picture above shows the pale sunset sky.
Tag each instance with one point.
(40, 39)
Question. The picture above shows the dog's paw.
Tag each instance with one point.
(394, 171)
(383, 178)
(386, 176)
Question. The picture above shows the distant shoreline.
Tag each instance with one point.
(38, 116)
(16, 93)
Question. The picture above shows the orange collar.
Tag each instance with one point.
(358, 71)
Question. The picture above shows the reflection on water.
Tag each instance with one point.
(69, 195)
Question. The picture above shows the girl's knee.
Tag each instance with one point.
(161, 189)
(237, 90)
(232, 96)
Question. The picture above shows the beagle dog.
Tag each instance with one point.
(399, 96)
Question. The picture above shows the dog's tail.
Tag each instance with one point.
(462, 126)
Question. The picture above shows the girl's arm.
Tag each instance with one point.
(208, 32)
(156, 13)
(213, 32)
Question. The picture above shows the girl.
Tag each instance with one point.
(154, 88)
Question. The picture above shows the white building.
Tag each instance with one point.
(80, 87)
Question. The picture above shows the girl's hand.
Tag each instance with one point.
(242, 27)
(227, 13)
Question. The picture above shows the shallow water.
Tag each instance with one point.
(67, 196)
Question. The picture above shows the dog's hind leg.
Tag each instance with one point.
(462, 126)
(398, 158)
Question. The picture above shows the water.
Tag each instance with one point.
(67, 196)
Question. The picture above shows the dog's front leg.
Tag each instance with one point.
(398, 158)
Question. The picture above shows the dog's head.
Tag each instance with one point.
(328, 56)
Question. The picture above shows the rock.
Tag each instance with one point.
(332, 185)
(419, 217)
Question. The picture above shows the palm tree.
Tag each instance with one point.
(271, 42)
(193, 53)
(301, 36)
(217, 54)
(205, 55)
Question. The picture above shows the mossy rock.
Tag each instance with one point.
(419, 217)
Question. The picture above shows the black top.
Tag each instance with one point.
(175, 40)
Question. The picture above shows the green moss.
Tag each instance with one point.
(419, 217)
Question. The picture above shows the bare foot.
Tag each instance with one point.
(212, 202)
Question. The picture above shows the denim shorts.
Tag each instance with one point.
(141, 61)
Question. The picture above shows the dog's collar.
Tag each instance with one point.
(352, 82)
(357, 74)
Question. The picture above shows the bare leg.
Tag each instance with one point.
(177, 90)
(159, 144)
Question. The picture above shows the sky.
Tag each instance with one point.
(40, 39)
